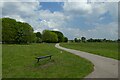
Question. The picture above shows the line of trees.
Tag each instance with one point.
(83, 39)
(50, 36)
(22, 33)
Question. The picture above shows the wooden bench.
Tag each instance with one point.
(42, 57)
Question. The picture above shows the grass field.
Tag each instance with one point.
(104, 49)
(19, 62)
(0, 60)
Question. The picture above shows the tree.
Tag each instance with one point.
(90, 40)
(38, 40)
(24, 33)
(49, 37)
(0, 30)
(77, 40)
(54, 37)
(38, 34)
(8, 30)
(38, 37)
(65, 39)
(118, 40)
(83, 39)
(60, 36)
(16, 32)
(104, 39)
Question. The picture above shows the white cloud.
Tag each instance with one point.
(18, 1)
(109, 31)
(78, 7)
(44, 19)
(53, 20)
(20, 8)
(90, 10)
(73, 32)
(92, 13)
(56, 29)
(16, 17)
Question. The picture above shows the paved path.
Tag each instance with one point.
(103, 67)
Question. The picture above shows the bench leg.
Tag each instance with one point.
(50, 57)
(37, 60)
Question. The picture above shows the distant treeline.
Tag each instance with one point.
(83, 39)
(14, 32)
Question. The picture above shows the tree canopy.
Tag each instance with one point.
(38, 34)
(65, 39)
(38, 37)
(83, 39)
(0, 30)
(60, 36)
(77, 40)
(16, 32)
(49, 36)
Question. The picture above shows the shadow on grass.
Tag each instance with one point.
(44, 63)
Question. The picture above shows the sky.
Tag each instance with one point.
(73, 19)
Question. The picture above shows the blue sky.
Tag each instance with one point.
(52, 6)
(74, 19)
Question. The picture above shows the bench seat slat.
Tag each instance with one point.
(41, 57)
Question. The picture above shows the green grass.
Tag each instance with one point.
(19, 62)
(104, 49)
(0, 60)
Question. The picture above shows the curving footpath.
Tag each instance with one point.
(103, 67)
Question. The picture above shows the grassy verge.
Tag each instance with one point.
(104, 49)
(19, 62)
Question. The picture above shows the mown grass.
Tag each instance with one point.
(0, 60)
(19, 62)
(106, 49)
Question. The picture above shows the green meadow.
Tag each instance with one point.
(107, 49)
(18, 61)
